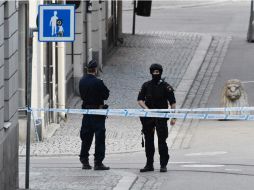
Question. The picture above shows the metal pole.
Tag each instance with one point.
(250, 29)
(119, 18)
(29, 86)
(134, 17)
(114, 22)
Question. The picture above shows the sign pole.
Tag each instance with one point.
(134, 17)
(250, 29)
(64, 24)
(29, 86)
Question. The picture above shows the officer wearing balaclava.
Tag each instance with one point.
(156, 94)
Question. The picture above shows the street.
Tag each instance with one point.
(205, 154)
(229, 18)
(220, 157)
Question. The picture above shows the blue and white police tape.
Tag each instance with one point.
(160, 113)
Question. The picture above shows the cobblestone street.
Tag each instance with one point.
(124, 73)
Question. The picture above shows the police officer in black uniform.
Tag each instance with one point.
(93, 93)
(156, 94)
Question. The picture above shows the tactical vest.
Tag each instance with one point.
(156, 95)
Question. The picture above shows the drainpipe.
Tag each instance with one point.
(103, 30)
(61, 78)
(54, 76)
(89, 31)
(61, 63)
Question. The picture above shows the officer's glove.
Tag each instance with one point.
(105, 106)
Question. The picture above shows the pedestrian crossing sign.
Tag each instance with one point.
(56, 23)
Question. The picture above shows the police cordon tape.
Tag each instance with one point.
(160, 113)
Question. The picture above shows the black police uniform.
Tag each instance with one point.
(93, 93)
(156, 95)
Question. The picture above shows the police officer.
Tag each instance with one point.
(156, 94)
(93, 93)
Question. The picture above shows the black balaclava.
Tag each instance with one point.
(156, 77)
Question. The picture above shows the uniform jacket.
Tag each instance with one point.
(92, 91)
(157, 95)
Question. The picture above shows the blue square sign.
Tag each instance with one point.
(56, 23)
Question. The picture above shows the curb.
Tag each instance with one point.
(192, 70)
(127, 181)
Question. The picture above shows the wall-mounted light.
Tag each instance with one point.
(7, 125)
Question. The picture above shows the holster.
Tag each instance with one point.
(105, 106)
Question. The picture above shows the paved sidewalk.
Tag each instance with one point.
(73, 178)
(238, 64)
(182, 134)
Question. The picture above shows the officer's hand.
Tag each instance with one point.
(173, 121)
(105, 106)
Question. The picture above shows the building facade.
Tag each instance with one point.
(56, 70)
(57, 66)
(8, 95)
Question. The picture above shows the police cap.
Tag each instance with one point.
(156, 66)
(92, 64)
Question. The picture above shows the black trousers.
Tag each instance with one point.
(149, 126)
(93, 125)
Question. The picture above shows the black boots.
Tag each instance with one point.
(100, 166)
(85, 164)
(163, 169)
(97, 165)
(164, 161)
(147, 168)
(86, 167)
